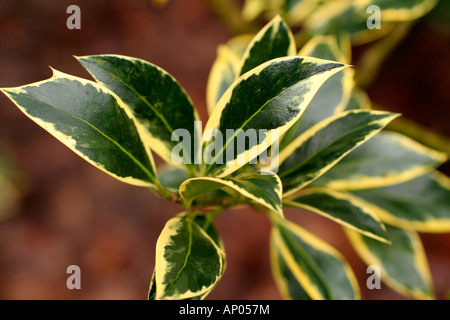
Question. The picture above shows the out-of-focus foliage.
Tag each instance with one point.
(377, 27)
(336, 16)
(381, 23)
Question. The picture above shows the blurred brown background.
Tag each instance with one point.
(71, 213)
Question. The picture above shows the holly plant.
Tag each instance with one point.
(286, 129)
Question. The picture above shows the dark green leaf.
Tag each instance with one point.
(332, 96)
(156, 99)
(262, 187)
(188, 261)
(275, 40)
(323, 145)
(320, 270)
(386, 159)
(205, 223)
(265, 101)
(342, 208)
(288, 285)
(421, 204)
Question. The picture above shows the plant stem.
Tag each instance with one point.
(192, 170)
(163, 192)
(273, 217)
(210, 216)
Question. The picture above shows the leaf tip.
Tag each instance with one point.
(9, 91)
(277, 18)
(390, 116)
(81, 58)
(55, 73)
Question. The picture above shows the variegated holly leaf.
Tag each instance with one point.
(262, 187)
(264, 103)
(275, 40)
(403, 264)
(399, 10)
(319, 269)
(319, 148)
(421, 204)
(91, 121)
(333, 95)
(158, 102)
(386, 159)
(205, 223)
(342, 208)
(189, 262)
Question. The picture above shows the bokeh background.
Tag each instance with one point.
(71, 213)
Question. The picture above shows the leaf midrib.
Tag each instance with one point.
(396, 198)
(185, 259)
(208, 169)
(408, 159)
(157, 113)
(308, 260)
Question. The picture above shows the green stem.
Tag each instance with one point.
(274, 218)
(211, 215)
(163, 192)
